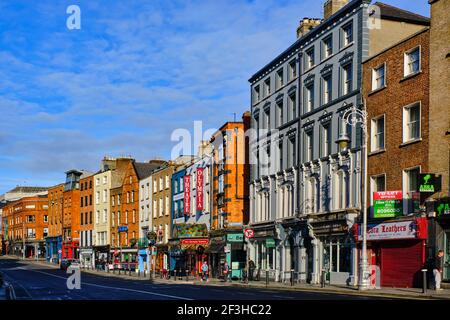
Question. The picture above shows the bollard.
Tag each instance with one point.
(145, 271)
(129, 270)
(187, 275)
(292, 278)
(175, 274)
(139, 272)
(267, 278)
(424, 284)
(323, 279)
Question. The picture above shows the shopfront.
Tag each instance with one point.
(70, 250)
(216, 254)
(439, 234)
(397, 248)
(53, 249)
(263, 253)
(162, 257)
(87, 258)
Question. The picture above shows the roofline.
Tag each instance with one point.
(349, 6)
(396, 44)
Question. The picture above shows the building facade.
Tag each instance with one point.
(230, 191)
(27, 220)
(396, 92)
(305, 196)
(55, 216)
(86, 221)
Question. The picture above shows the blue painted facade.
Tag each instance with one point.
(53, 245)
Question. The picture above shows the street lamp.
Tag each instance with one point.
(353, 117)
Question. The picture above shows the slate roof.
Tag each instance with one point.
(27, 189)
(394, 13)
(145, 169)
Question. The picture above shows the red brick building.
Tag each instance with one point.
(86, 221)
(27, 220)
(396, 92)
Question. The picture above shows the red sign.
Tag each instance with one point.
(387, 195)
(249, 233)
(187, 195)
(199, 188)
(202, 241)
(393, 230)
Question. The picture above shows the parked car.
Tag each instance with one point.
(65, 263)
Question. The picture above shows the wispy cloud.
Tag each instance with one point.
(136, 71)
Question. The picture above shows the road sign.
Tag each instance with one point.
(59, 251)
(249, 233)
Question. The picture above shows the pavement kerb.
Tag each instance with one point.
(417, 296)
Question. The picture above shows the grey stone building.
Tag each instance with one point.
(305, 187)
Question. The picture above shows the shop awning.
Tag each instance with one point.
(215, 248)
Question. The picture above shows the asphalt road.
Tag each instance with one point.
(38, 282)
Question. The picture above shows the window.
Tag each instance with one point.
(155, 186)
(154, 208)
(45, 218)
(267, 117)
(167, 181)
(309, 145)
(113, 217)
(325, 138)
(132, 196)
(309, 98)
(90, 217)
(292, 150)
(411, 122)
(105, 179)
(134, 216)
(280, 154)
(97, 181)
(97, 197)
(118, 218)
(378, 77)
(97, 217)
(310, 195)
(113, 200)
(126, 217)
(326, 89)
(267, 87)
(340, 190)
(292, 106)
(279, 80)
(410, 188)
(412, 61)
(105, 195)
(292, 70)
(105, 215)
(167, 205)
(309, 58)
(347, 78)
(327, 47)
(118, 199)
(161, 207)
(347, 34)
(280, 112)
(256, 94)
(161, 183)
(377, 134)
(377, 183)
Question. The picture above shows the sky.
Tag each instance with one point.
(133, 73)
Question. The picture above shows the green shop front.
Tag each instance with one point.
(227, 246)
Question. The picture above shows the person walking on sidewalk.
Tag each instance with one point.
(226, 271)
(437, 270)
(205, 270)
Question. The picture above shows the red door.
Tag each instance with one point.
(401, 262)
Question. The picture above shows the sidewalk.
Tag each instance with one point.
(404, 293)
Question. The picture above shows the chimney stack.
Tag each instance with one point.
(306, 25)
(332, 6)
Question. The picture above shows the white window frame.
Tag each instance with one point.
(373, 185)
(310, 59)
(373, 133)
(405, 136)
(326, 48)
(375, 77)
(406, 61)
(405, 187)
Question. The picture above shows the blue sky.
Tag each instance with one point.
(135, 71)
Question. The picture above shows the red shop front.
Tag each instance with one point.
(398, 249)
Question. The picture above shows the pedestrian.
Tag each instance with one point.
(437, 270)
(251, 267)
(205, 270)
(226, 271)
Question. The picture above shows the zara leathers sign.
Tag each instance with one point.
(409, 229)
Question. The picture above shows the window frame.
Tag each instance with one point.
(374, 133)
(406, 62)
(375, 78)
(405, 121)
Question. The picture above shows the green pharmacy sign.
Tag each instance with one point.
(429, 182)
(443, 207)
(270, 243)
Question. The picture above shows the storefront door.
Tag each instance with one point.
(446, 275)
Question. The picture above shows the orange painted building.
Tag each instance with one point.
(27, 220)
(86, 221)
(55, 210)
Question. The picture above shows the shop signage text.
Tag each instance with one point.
(187, 195)
(199, 188)
(270, 243)
(194, 241)
(235, 237)
(122, 229)
(429, 182)
(442, 207)
(387, 204)
(395, 230)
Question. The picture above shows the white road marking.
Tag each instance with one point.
(115, 288)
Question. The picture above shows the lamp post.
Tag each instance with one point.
(354, 116)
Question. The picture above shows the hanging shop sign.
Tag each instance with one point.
(122, 229)
(409, 229)
(387, 204)
(187, 195)
(199, 189)
(270, 243)
(442, 208)
(429, 182)
(235, 237)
